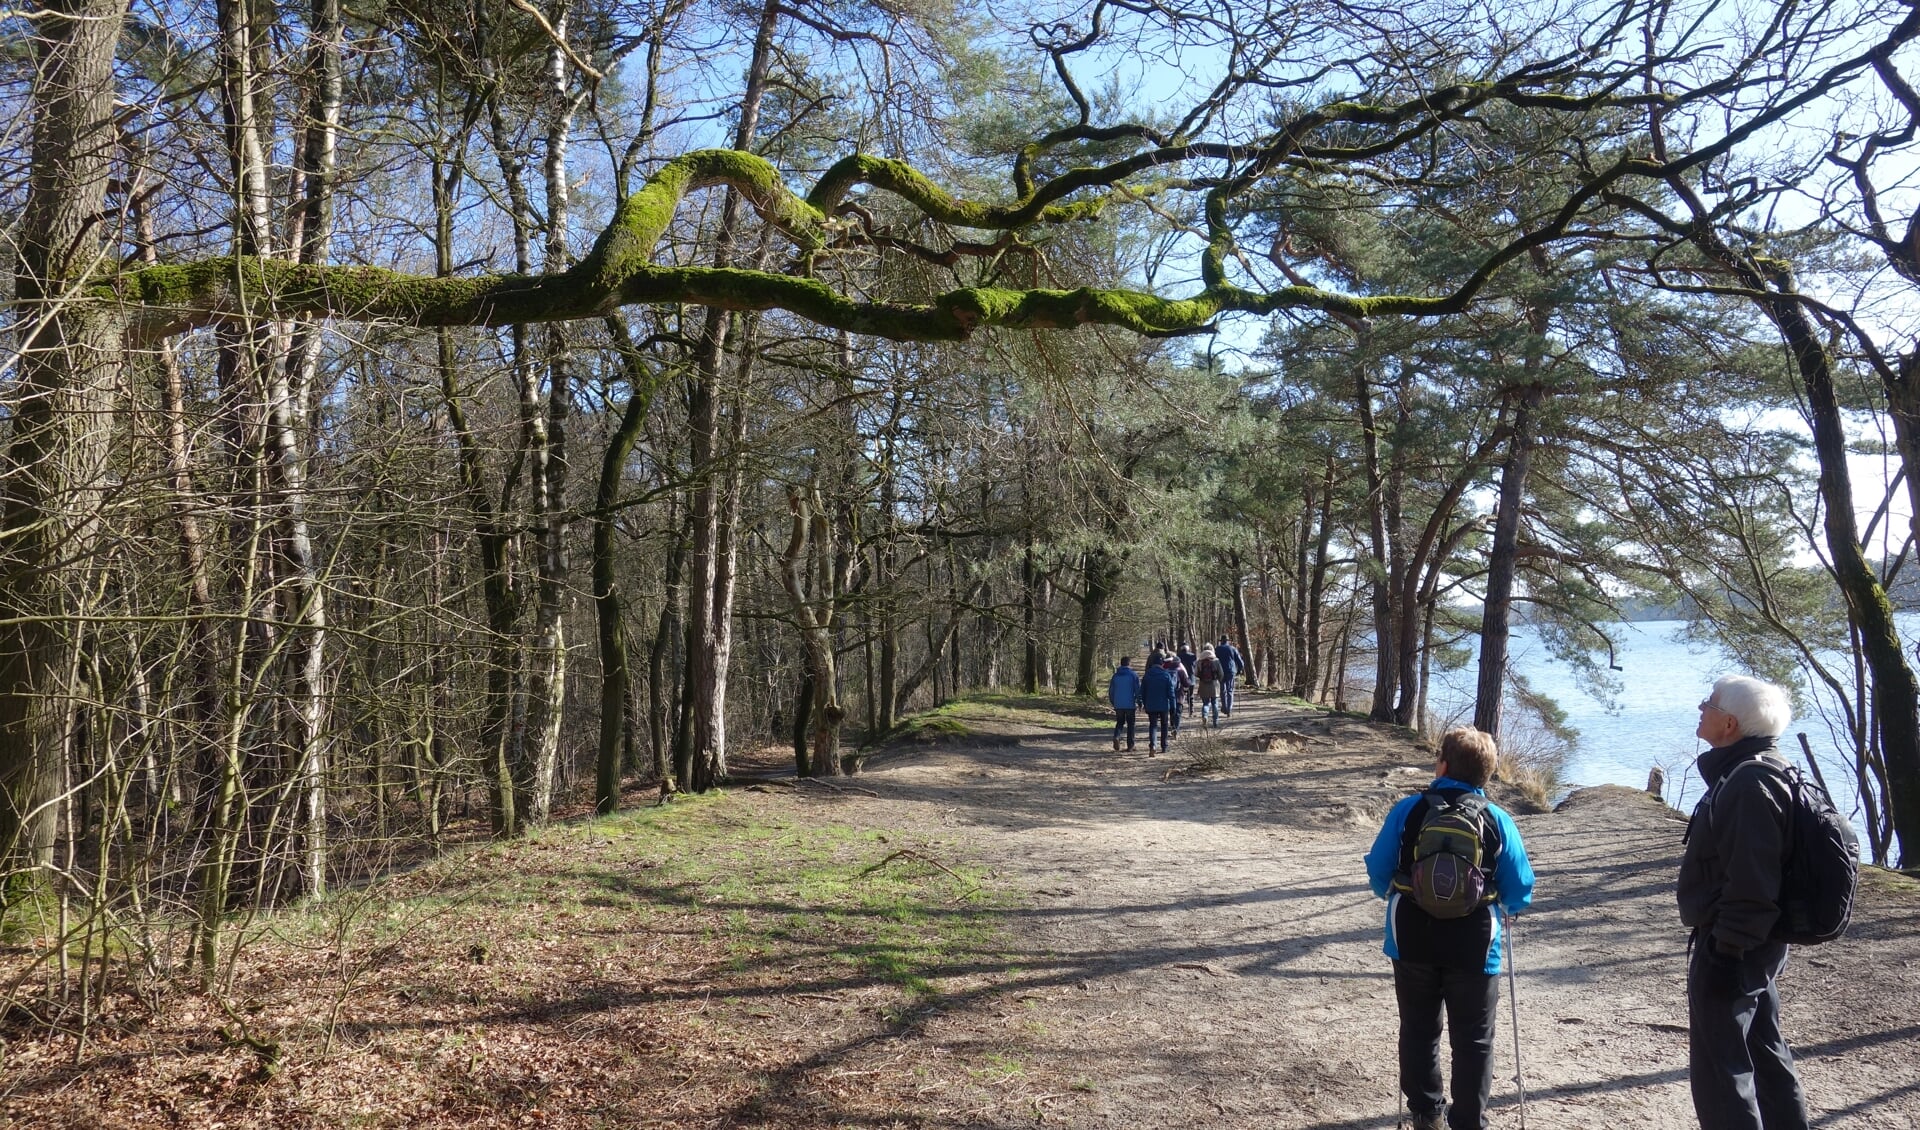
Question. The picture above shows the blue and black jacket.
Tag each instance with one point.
(1123, 690)
(1157, 689)
(1471, 942)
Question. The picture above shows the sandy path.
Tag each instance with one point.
(1205, 952)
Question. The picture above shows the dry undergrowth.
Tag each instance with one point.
(1202, 753)
(722, 961)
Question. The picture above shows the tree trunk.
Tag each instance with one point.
(1030, 619)
(1495, 619)
(1238, 580)
(885, 579)
(812, 584)
(1896, 695)
(1307, 678)
(287, 418)
(616, 678)
(1379, 570)
(802, 727)
(497, 744)
(663, 697)
(1101, 575)
(547, 686)
(55, 460)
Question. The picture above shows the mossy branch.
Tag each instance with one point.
(169, 299)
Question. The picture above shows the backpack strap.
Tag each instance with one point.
(1409, 836)
(1789, 777)
(1785, 774)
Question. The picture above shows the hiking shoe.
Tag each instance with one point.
(1116, 745)
(1434, 1121)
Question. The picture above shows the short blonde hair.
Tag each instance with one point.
(1470, 755)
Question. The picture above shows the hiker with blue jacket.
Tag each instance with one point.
(1123, 693)
(1158, 689)
(1738, 1062)
(1182, 690)
(1445, 860)
(1230, 668)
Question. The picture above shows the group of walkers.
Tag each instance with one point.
(1171, 682)
(1452, 867)
(1447, 859)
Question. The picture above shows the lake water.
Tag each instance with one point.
(1652, 722)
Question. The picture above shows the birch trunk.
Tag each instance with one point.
(547, 682)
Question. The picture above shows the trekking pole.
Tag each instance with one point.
(1513, 1001)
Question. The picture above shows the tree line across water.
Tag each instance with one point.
(423, 411)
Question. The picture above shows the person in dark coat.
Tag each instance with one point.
(1123, 694)
(1230, 667)
(1187, 661)
(1738, 1062)
(1157, 690)
(1449, 965)
(1182, 690)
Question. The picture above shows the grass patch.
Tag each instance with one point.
(995, 715)
(689, 955)
(772, 889)
(1533, 785)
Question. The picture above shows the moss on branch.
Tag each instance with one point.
(619, 271)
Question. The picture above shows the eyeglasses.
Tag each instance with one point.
(1708, 704)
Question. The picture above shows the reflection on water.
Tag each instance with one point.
(1663, 679)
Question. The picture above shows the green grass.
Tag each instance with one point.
(786, 886)
(990, 713)
(774, 894)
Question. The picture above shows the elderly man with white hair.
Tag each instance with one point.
(1738, 1061)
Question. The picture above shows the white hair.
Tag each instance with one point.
(1762, 709)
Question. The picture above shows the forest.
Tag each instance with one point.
(425, 418)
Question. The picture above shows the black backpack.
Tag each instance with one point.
(1447, 851)
(1822, 868)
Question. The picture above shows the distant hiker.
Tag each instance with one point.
(1730, 874)
(1230, 666)
(1187, 660)
(1206, 675)
(1157, 690)
(1444, 859)
(1123, 694)
(1156, 655)
(1182, 690)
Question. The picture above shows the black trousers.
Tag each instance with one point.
(1737, 1060)
(1123, 720)
(1468, 999)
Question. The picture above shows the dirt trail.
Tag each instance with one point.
(1204, 951)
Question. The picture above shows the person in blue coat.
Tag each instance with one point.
(1449, 966)
(1123, 694)
(1158, 691)
(1230, 667)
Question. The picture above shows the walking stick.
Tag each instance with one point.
(1513, 1001)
